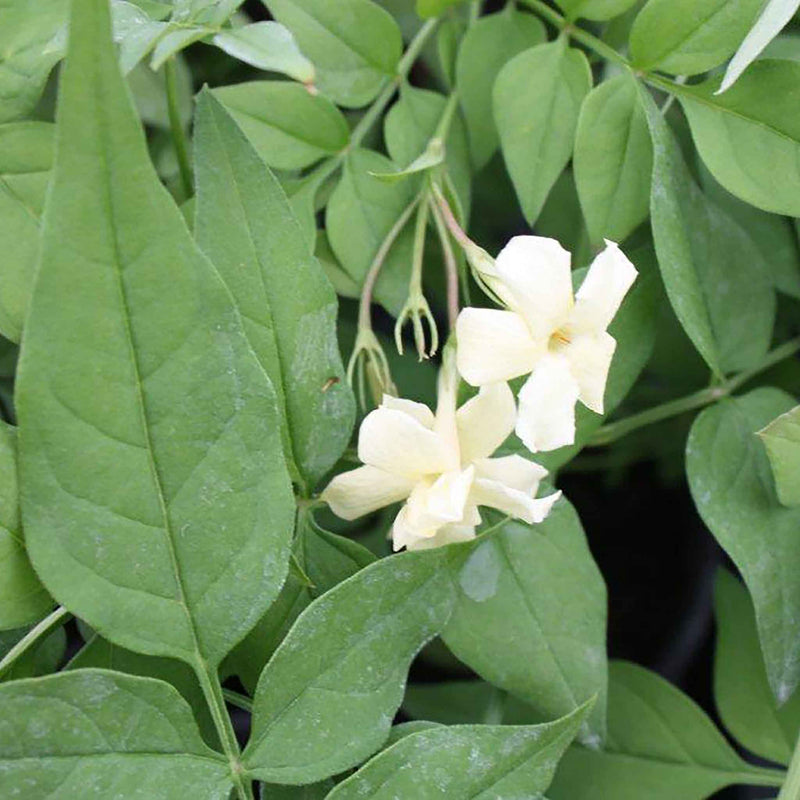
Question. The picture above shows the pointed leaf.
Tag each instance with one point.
(731, 484)
(661, 746)
(70, 735)
(782, 441)
(289, 127)
(354, 44)
(710, 266)
(156, 502)
(530, 617)
(268, 46)
(741, 688)
(613, 160)
(749, 137)
(537, 99)
(465, 761)
(485, 48)
(314, 717)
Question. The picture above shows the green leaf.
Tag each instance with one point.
(782, 440)
(410, 125)
(312, 791)
(172, 42)
(31, 43)
(354, 44)
(26, 157)
(23, 600)
(157, 505)
(775, 15)
(530, 617)
(268, 46)
(361, 212)
(315, 717)
(245, 226)
(730, 480)
(485, 48)
(462, 761)
(661, 746)
(289, 127)
(749, 137)
(537, 99)
(686, 37)
(432, 156)
(70, 735)
(613, 160)
(595, 9)
(102, 654)
(745, 701)
(710, 266)
(135, 31)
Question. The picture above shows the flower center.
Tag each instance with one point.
(559, 339)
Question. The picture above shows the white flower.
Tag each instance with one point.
(440, 465)
(560, 340)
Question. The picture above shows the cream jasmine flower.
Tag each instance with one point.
(560, 340)
(440, 465)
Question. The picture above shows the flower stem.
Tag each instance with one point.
(616, 430)
(791, 788)
(450, 266)
(176, 126)
(53, 620)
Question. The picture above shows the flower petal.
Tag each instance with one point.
(398, 443)
(536, 274)
(589, 359)
(447, 534)
(546, 418)
(419, 411)
(360, 491)
(602, 291)
(494, 346)
(485, 421)
(511, 501)
(513, 471)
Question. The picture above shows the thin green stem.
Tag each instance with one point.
(238, 700)
(176, 126)
(212, 690)
(616, 430)
(33, 636)
(574, 32)
(451, 268)
(791, 788)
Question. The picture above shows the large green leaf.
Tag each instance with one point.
(721, 295)
(245, 226)
(750, 136)
(23, 599)
(31, 42)
(730, 479)
(745, 701)
(782, 441)
(155, 498)
(26, 157)
(530, 617)
(289, 127)
(354, 44)
(686, 37)
(661, 746)
(361, 212)
(70, 735)
(317, 716)
(465, 761)
(537, 99)
(485, 48)
(412, 122)
(102, 654)
(613, 160)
